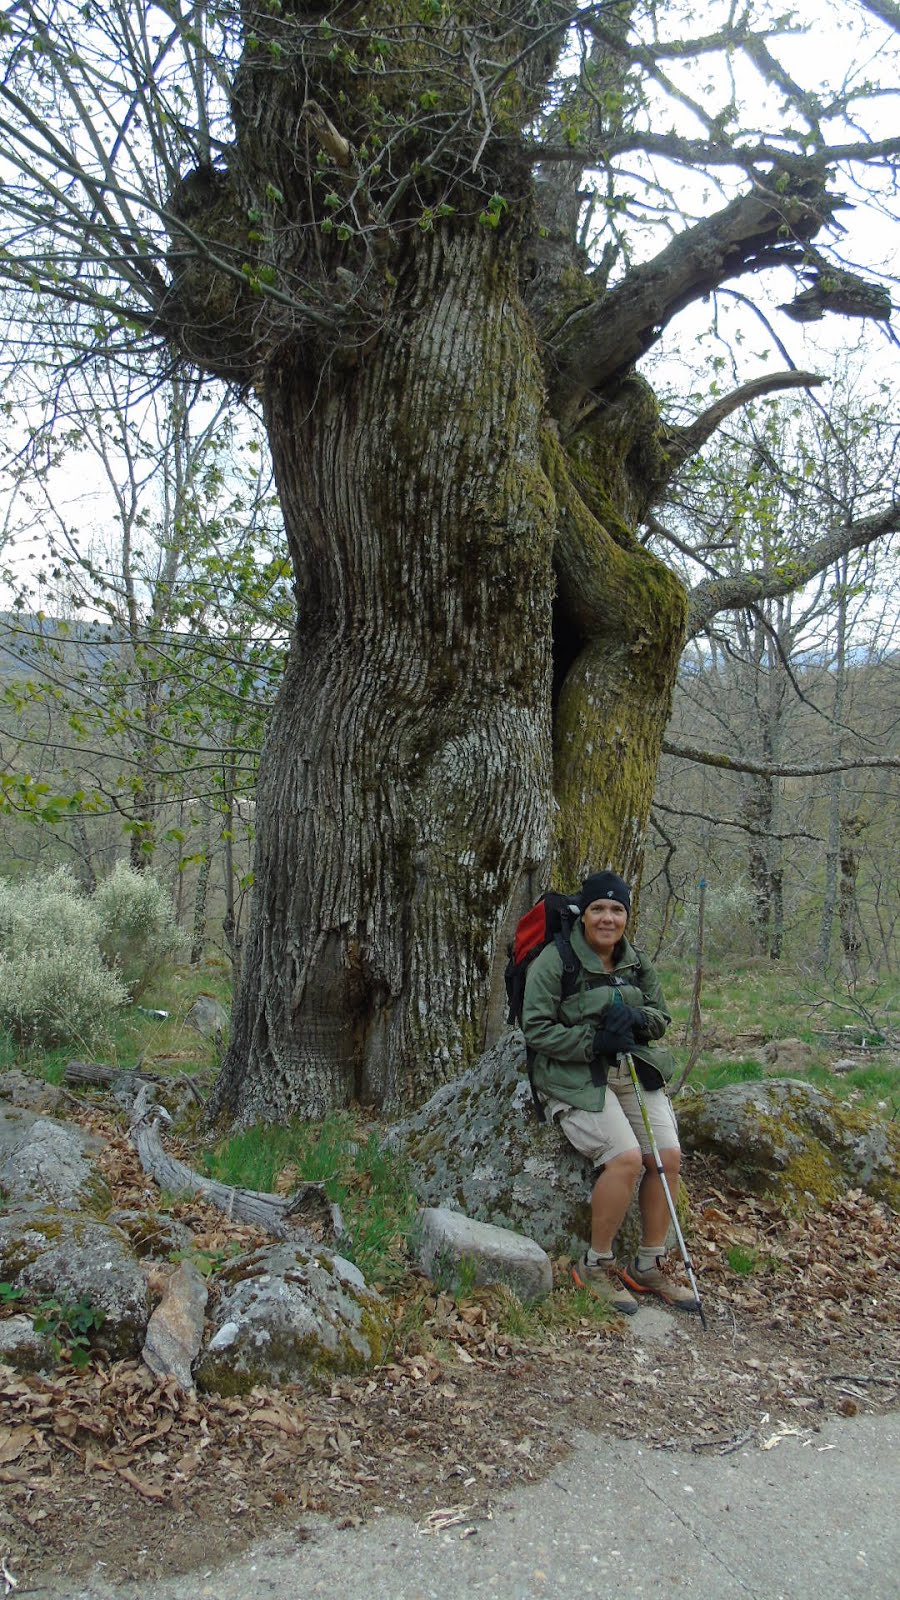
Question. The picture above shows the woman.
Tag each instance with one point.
(581, 1075)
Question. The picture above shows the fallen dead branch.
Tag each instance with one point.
(271, 1213)
(97, 1075)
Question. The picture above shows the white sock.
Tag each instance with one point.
(647, 1254)
(598, 1258)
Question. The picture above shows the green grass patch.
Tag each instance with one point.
(741, 1260)
(718, 1074)
(875, 1085)
(370, 1186)
(133, 1034)
(743, 1001)
(49, 1064)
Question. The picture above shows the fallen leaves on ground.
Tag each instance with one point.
(461, 1411)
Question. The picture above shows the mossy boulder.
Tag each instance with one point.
(785, 1137)
(477, 1147)
(62, 1259)
(285, 1316)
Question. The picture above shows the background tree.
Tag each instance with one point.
(148, 633)
(435, 240)
(796, 680)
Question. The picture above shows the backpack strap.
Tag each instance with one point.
(571, 966)
(571, 970)
(539, 1111)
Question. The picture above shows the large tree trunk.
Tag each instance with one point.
(619, 630)
(406, 777)
(457, 723)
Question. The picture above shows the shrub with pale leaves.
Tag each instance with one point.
(46, 913)
(50, 997)
(54, 984)
(727, 920)
(138, 931)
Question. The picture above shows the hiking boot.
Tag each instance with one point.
(603, 1281)
(663, 1279)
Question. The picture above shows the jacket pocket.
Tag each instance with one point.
(657, 1061)
(586, 1006)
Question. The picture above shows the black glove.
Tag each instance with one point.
(614, 1036)
(637, 1019)
(640, 1026)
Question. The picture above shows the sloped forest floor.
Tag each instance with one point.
(109, 1463)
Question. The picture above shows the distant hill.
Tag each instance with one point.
(81, 646)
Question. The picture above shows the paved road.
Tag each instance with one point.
(815, 1516)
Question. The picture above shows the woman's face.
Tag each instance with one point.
(604, 924)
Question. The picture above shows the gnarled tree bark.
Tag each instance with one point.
(361, 228)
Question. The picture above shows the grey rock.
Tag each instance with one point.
(175, 1329)
(22, 1347)
(22, 1089)
(785, 1136)
(477, 1147)
(207, 1016)
(284, 1315)
(67, 1258)
(15, 1122)
(445, 1241)
(51, 1161)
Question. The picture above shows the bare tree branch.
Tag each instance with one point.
(713, 758)
(730, 822)
(765, 228)
(731, 591)
(682, 443)
(704, 152)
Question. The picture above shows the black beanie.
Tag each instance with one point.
(604, 886)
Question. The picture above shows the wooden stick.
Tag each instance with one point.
(272, 1213)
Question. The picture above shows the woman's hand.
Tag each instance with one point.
(615, 1035)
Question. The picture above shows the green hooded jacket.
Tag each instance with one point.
(560, 1034)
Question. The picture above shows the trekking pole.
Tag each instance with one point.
(657, 1161)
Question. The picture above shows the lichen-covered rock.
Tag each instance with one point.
(22, 1347)
(477, 1147)
(67, 1258)
(50, 1161)
(285, 1316)
(445, 1243)
(787, 1137)
(15, 1122)
(23, 1089)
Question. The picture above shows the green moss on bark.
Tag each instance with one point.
(626, 614)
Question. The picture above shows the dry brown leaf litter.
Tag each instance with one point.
(166, 1481)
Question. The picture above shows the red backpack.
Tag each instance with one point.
(550, 921)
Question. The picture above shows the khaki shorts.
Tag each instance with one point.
(619, 1127)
